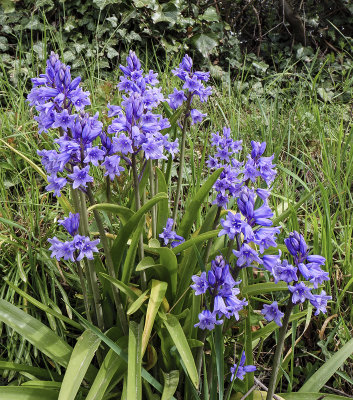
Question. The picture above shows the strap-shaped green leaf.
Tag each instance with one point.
(311, 396)
(113, 365)
(125, 232)
(193, 208)
(134, 382)
(36, 371)
(27, 393)
(163, 206)
(36, 333)
(123, 212)
(158, 290)
(178, 336)
(80, 360)
(171, 381)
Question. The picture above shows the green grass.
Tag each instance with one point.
(312, 143)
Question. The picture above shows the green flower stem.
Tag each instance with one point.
(230, 248)
(137, 206)
(91, 270)
(279, 349)
(182, 157)
(152, 191)
(214, 226)
(109, 262)
(87, 294)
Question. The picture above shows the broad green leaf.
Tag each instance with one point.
(42, 306)
(118, 350)
(43, 384)
(37, 372)
(171, 381)
(194, 206)
(36, 333)
(324, 373)
(163, 206)
(80, 360)
(134, 383)
(113, 365)
(129, 263)
(262, 288)
(125, 232)
(123, 212)
(136, 305)
(178, 336)
(196, 240)
(311, 396)
(258, 395)
(210, 15)
(169, 264)
(205, 42)
(158, 290)
(27, 393)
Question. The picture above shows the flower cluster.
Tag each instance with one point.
(168, 234)
(307, 267)
(135, 127)
(75, 249)
(220, 285)
(235, 175)
(193, 86)
(56, 98)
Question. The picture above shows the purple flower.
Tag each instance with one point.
(168, 234)
(63, 120)
(201, 284)
(319, 301)
(257, 149)
(176, 99)
(300, 293)
(239, 372)
(297, 247)
(55, 247)
(55, 183)
(207, 320)
(272, 313)
(94, 155)
(285, 272)
(234, 225)
(246, 255)
(196, 116)
(265, 238)
(271, 261)
(111, 164)
(80, 177)
(85, 246)
(71, 223)
(122, 144)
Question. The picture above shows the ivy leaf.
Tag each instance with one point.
(210, 15)
(7, 5)
(103, 3)
(205, 42)
(111, 52)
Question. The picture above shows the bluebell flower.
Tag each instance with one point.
(239, 372)
(80, 177)
(319, 301)
(272, 313)
(94, 155)
(85, 246)
(176, 99)
(246, 255)
(284, 272)
(112, 166)
(300, 292)
(169, 235)
(56, 184)
(271, 261)
(200, 283)
(71, 223)
(234, 225)
(196, 116)
(208, 320)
